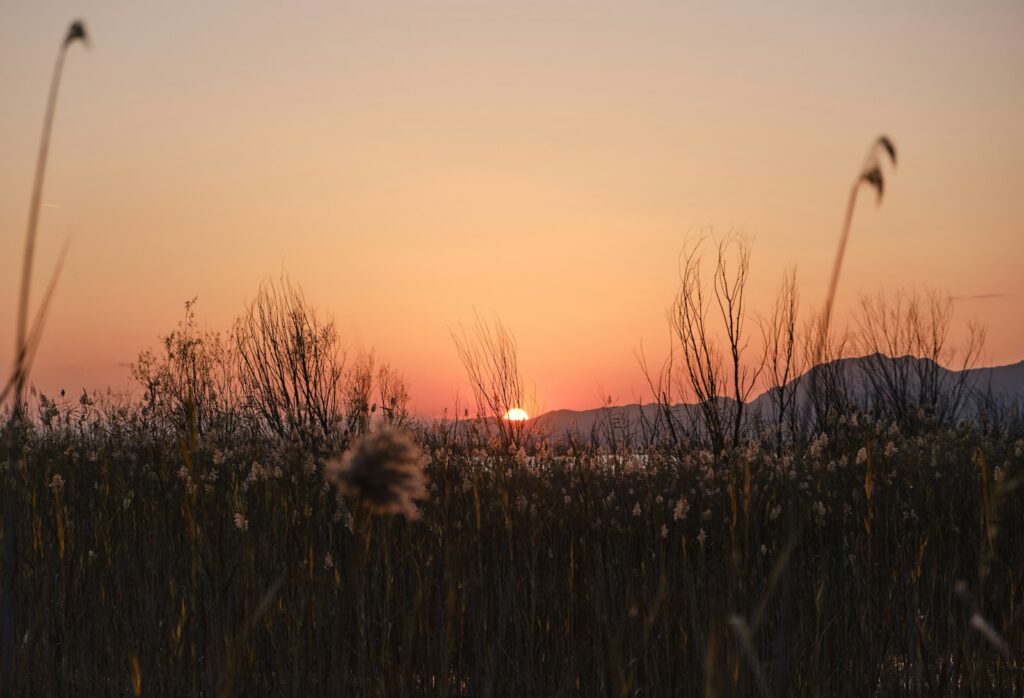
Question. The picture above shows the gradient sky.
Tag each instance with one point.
(542, 162)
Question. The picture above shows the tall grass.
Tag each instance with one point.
(27, 337)
(876, 561)
(871, 175)
(176, 544)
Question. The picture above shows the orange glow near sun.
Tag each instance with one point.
(516, 414)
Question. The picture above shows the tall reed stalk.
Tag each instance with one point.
(27, 338)
(26, 341)
(871, 174)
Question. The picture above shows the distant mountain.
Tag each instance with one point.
(868, 377)
(1005, 381)
(1004, 384)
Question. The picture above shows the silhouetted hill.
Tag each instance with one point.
(1002, 384)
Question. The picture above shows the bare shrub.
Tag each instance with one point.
(358, 394)
(905, 339)
(491, 360)
(191, 383)
(393, 392)
(719, 379)
(291, 366)
(784, 361)
(369, 386)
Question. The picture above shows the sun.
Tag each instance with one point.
(516, 414)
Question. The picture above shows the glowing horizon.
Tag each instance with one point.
(407, 164)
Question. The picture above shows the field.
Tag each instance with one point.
(162, 554)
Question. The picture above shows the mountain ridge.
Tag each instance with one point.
(1004, 383)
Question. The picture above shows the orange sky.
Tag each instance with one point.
(540, 161)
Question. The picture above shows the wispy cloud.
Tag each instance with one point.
(982, 297)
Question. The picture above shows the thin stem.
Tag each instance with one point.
(20, 348)
(837, 266)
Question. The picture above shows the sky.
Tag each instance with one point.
(410, 163)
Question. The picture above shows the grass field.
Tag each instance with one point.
(158, 563)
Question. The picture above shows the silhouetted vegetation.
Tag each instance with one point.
(187, 542)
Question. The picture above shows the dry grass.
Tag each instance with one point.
(153, 562)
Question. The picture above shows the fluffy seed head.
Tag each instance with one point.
(384, 470)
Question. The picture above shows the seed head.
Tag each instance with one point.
(384, 470)
(76, 32)
(875, 179)
(886, 143)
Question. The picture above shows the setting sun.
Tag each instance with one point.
(516, 414)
